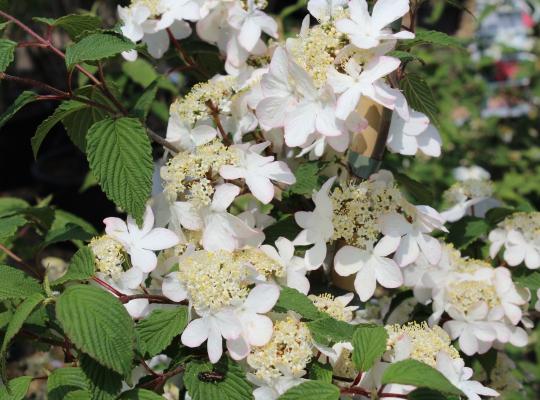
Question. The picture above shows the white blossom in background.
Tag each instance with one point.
(519, 235)
(324, 10)
(473, 172)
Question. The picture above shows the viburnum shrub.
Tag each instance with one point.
(265, 253)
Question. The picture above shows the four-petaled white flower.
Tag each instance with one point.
(367, 31)
(186, 137)
(258, 170)
(140, 243)
(324, 10)
(517, 248)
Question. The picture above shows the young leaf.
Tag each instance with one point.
(7, 53)
(80, 268)
(10, 225)
(416, 373)
(104, 383)
(143, 105)
(120, 157)
(15, 284)
(24, 99)
(320, 372)
(419, 95)
(434, 38)
(99, 325)
(312, 390)
(74, 24)
(228, 381)
(415, 189)
(79, 395)
(139, 394)
(59, 114)
(369, 344)
(307, 179)
(327, 331)
(467, 230)
(293, 300)
(18, 388)
(64, 380)
(22, 312)
(157, 331)
(11, 205)
(96, 47)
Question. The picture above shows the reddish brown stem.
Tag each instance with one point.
(214, 112)
(150, 297)
(186, 58)
(107, 286)
(19, 260)
(162, 378)
(33, 83)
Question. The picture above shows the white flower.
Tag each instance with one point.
(473, 172)
(317, 226)
(366, 31)
(295, 267)
(133, 19)
(519, 250)
(186, 137)
(210, 328)
(221, 230)
(256, 329)
(258, 171)
(140, 243)
(409, 239)
(324, 10)
(274, 389)
(458, 374)
(360, 82)
(469, 197)
(370, 267)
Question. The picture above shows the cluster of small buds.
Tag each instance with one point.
(108, 255)
(419, 342)
(289, 349)
(335, 307)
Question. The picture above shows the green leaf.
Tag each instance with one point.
(426, 394)
(292, 300)
(24, 99)
(22, 312)
(419, 95)
(78, 123)
(231, 384)
(120, 157)
(320, 372)
(143, 105)
(416, 373)
(10, 225)
(498, 214)
(139, 394)
(99, 325)
(285, 227)
(459, 5)
(15, 284)
(7, 53)
(312, 390)
(69, 232)
(307, 179)
(80, 268)
(104, 383)
(64, 380)
(59, 114)
(96, 47)
(63, 218)
(11, 205)
(75, 24)
(369, 344)
(144, 73)
(18, 388)
(434, 38)
(327, 331)
(467, 230)
(527, 278)
(157, 331)
(418, 191)
(405, 56)
(79, 395)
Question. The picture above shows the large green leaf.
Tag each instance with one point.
(292, 300)
(7, 53)
(139, 394)
(231, 385)
(11, 205)
(18, 388)
(312, 390)
(416, 373)
(96, 47)
(64, 380)
(22, 312)
(104, 383)
(157, 331)
(320, 372)
(74, 24)
(369, 344)
(327, 331)
(10, 225)
(307, 178)
(24, 99)
(80, 268)
(144, 103)
(120, 156)
(466, 231)
(434, 38)
(15, 284)
(65, 109)
(99, 325)
(419, 95)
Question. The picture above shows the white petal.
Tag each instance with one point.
(365, 282)
(224, 196)
(195, 333)
(214, 346)
(431, 248)
(173, 289)
(315, 256)
(387, 11)
(349, 260)
(262, 298)
(143, 259)
(159, 239)
(238, 348)
(131, 279)
(407, 251)
(388, 273)
(261, 188)
(259, 330)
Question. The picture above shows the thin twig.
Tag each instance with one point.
(107, 286)
(18, 259)
(161, 379)
(150, 297)
(33, 83)
(214, 112)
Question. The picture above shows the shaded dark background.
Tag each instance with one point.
(60, 168)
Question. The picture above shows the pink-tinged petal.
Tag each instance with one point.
(262, 298)
(238, 348)
(407, 251)
(387, 11)
(327, 124)
(271, 111)
(365, 282)
(195, 333)
(259, 329)
(349, 260)
(279, 172)
(159, 239)
(339, 82)
(214, 346)
(117, 229)
(431, 248)
(261, 188)
(388, 273)
(231, 172)
(145, 260)
(348, 101)
(339, 143)
(173, 289)
(299, 124)
(224, 196)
